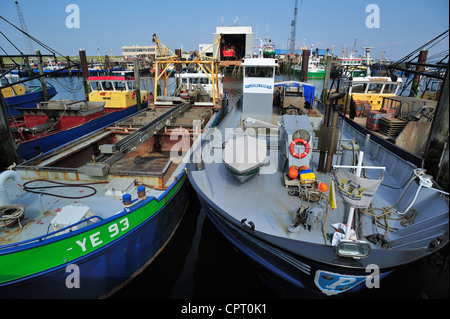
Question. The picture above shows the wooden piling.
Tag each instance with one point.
(305, 61)
(85, 72)
(327, 79)
(107, 65)
(68, 63)
(436, 157)
(7, 149)
(419, 68)
(42, 78)
(137, 89)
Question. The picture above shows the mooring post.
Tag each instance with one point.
(327, 79)
(85, 72)
(137, 89)
(107, 65)
(7, 148)
(42, 78)
(419, 68)
(436, 157)
(68, 63)
(305, 61)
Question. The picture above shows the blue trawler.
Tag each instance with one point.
(20, 95)
(323, 211)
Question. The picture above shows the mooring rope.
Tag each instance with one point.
(9, 214)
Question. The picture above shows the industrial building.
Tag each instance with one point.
(237, 38)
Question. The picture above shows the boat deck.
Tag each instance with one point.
(265, 201)
(90, 175)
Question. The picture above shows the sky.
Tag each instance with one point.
(404, 25)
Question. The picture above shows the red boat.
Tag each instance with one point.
(229, 52)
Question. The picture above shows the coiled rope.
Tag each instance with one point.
(11, 214)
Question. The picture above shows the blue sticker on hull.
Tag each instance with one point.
(332, 284)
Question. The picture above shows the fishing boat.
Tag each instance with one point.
(316, 69)
(351, 66)
(229, 52)
(54, 123)
(269, 49)
(315, 220)
(82, 220)
(190, 84)
(20, 95)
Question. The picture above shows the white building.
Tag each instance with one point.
(241, 38)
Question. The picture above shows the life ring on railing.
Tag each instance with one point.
(294, 142)
(133, 95)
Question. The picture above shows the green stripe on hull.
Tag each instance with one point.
(316, 74)
(16, 265)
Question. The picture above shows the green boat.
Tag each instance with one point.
(316, 69)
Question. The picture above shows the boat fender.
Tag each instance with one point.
(322, 186)
(250, 226)
(294, 142)
(293, 172)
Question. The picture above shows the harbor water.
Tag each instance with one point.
(199, 263)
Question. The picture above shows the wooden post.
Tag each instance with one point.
(42, 78)
(137, 89)
(85, 72)
(107, 64)
(436, 157)
(7, 149)
(305, 61)
(419, 68)
(68, 62)
(327, 79)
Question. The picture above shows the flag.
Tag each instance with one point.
(332, 196)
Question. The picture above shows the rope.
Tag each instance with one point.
(10, 214)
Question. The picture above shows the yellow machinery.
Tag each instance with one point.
(209, 66)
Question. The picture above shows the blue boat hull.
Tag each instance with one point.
(108, 269)
(28, 100)
(290, 275)
(32, 148)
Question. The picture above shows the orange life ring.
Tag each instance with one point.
(294, 142)
(133, 95)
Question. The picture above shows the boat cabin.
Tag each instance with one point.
(259, 82)
(189, 80)
(116, 91)
(371, 89)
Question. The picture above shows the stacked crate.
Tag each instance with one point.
(373, 120)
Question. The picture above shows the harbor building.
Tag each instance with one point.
(145, 52)
(237, 42)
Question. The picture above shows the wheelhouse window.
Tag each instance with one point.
(390, 88)
(375, 88)
(259, 71)
(359, 88)
(119, 86)
(130, 85)
(95, 86)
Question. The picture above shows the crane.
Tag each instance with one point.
(24, 29)
(293, 25)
